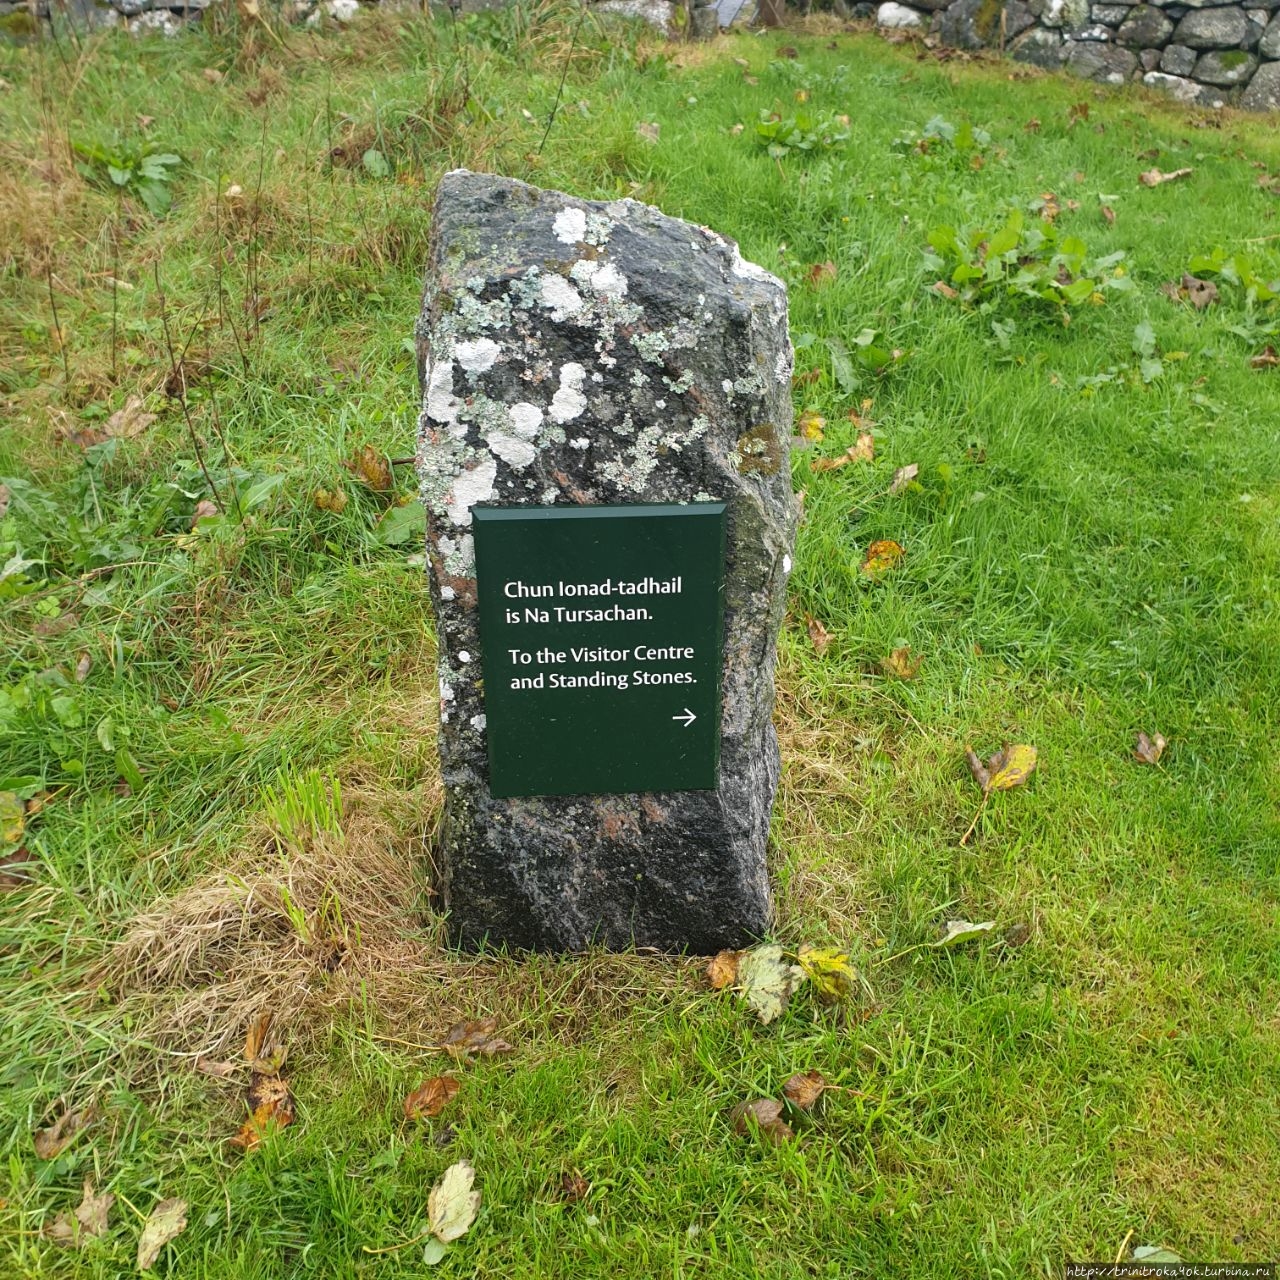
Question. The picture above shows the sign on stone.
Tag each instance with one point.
(600, 627)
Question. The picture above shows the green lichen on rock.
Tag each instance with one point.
(759, 451)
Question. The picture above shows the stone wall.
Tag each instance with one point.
(1203, 52)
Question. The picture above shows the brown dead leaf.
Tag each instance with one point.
(167, 1221)
(255, 1037)
(1201, 293)
(574, 1187)
(1149, 750)
(807, 378)
(1154, 178)
(271, 1104)
(864, 450)
(764, 1115)
(145, 122)
(736, 130)
(944, 290)
(1108, 215)
(130, 421)
(981, 775)
(205, 509)
(1049, 206)
(901, 664)
(1077, 113)
(431, 1097)
(334, 500)
(803, 1089)
(882, 556)
(17, 870)
(821, 274)
(819, 636)
(903, 476)
(465, 1039)
(219, 1070)
(722, 969)
(212, 75)
(52, 1140)
(1032, 125)
(87, 1222)
(370, 467)
(84, 664)
(649, 130)
(6, 496)
(1265, 359)
(1018, 935)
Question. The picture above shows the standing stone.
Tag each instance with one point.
(578, 352)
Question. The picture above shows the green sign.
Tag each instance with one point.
(601, 631)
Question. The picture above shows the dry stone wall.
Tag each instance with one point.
(1202, 52)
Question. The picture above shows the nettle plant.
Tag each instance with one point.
(955, 146)
(1021, 263)
(146, 173)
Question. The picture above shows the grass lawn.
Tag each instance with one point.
(1092, 549)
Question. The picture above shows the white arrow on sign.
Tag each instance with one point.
(688, 718)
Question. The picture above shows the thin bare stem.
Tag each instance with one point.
(564, 75)
(57, 332)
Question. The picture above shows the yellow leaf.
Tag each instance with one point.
(811, 425)
(901, 664)
(1012, 767)
(452, 1205)
(12, 818)
(881, 557)
(829, 970)
(168, 1219)
(722, 970)
(767, 981)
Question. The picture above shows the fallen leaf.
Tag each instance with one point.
(6, 496)
(810, 425)
(145, 122)
(219, 1070)
(943, 289)
(1265, 359)
(334, 500)
(959, 930)
(452, 1205)
(829, 970)
(736, 130)
(807, 378)
(130, 421)
(903, 476)
(1011, 767)
(881, 557)
(51, 1141)
(86, 1222)
(981, 775)
(649, 130)
(1032, 125)
(1077, 112)
(466, 1038)
(1153, 1254)
(13, 817)
(574, 1187)
(864, 449)
(1017, 935)
(370, 466)
(168, 1220)
(1108, 215)
(16, 869)
(205, 509)
(1153, 177)
(84, 664)
(819, 636)
(255, 1037)
(1149, 750)
(1049, 206)
(1200, 293)
(900, 663)
(431, 1097)
(821, 274)
(272, 1105)
(764, 1115)
(212, 75)
(803, 1089)
(722, 969)
(767, 980)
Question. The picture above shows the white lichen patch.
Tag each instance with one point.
(745, 270)
(469, 487)
(515, 453)
(785, 366)
(478, 722)
(442, 404)
(786, 564)
(600, 277)
(582, 442)
(559, 297)
(570, 226)
(599, 229)
(447, 592)
(476, 356)
(526, 418)
(651, 345)
(568, 401)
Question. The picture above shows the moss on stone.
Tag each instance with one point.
(18, 25)
(986, 20)
(758, 451)
(1230, 59)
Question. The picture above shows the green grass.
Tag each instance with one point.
(1086, 557)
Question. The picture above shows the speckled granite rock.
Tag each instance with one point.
(572, 351)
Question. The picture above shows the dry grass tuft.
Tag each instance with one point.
(289, 929)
